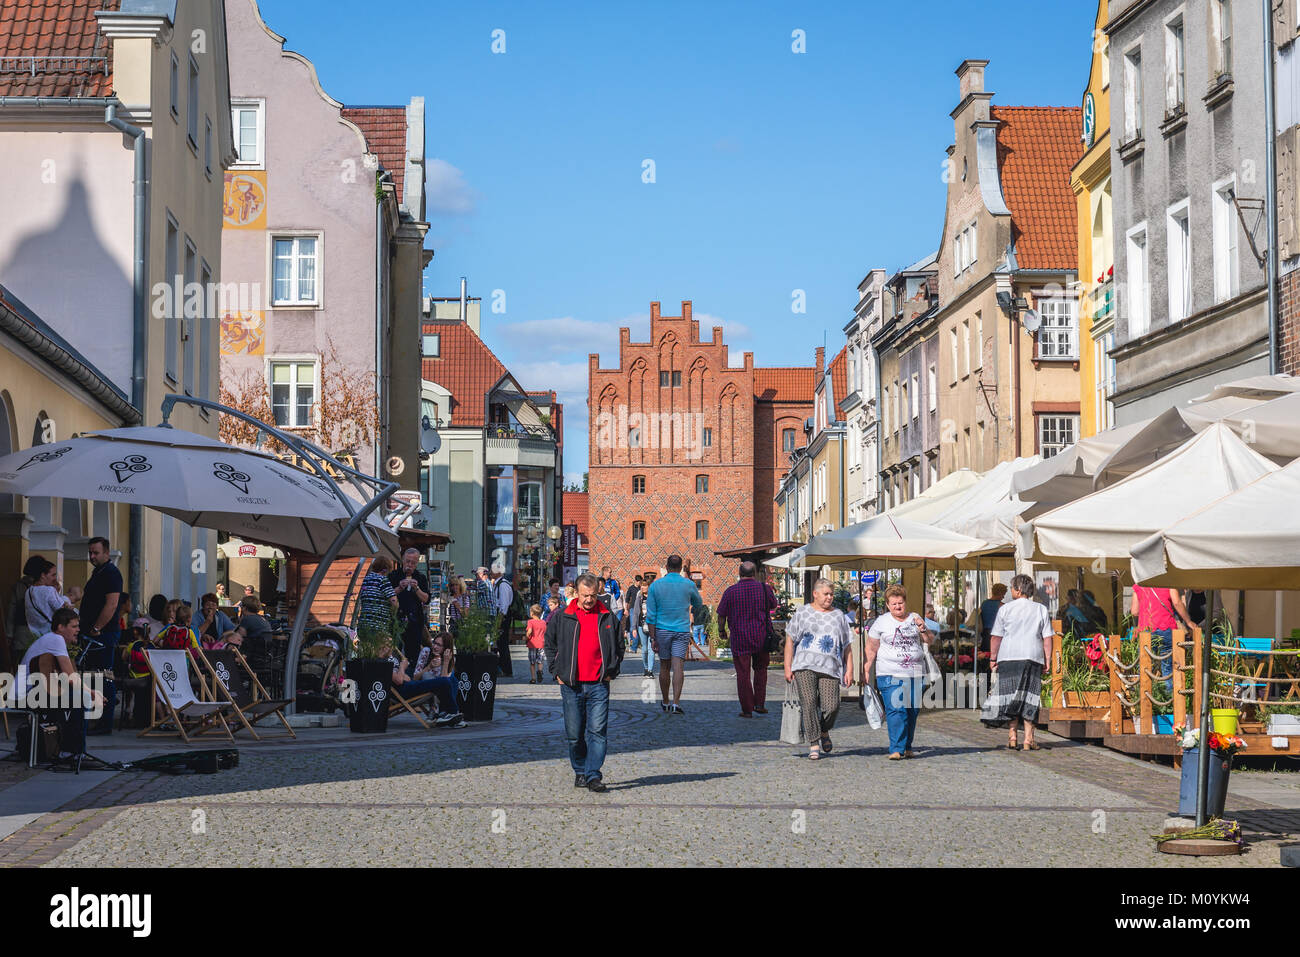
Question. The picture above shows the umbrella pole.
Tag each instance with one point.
(1203, 764)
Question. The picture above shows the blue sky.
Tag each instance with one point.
(774, 171)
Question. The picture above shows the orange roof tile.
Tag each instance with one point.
(1037, 148)
(785, 384)
(466, 368)
(54, 28)
(574, 510)
(839, 381)
(385, 131)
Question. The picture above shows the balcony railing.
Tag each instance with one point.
(1101, 301)
(519, 432)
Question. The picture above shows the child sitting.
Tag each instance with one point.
(179, 635)
(536, 636)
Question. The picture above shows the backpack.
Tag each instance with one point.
(518, 610)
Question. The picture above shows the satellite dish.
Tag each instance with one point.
(1031, 321)
(430, 440)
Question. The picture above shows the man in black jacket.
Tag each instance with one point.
(584, 650)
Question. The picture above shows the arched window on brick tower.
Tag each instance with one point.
(636, 401)
(726, 439)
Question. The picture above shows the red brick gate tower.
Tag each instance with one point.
(672, 464)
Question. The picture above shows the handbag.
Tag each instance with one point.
(791, 717)
(932, 672)
(774, 640)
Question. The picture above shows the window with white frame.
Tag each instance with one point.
(1178, 226)
(1222, 18)
(932, 380)
(956, 255)
(248, 119)
(934, 472)
(1056, 433)
(916, 395)
(293, 392)
(207, 145)
(965, 339)
(530, 502)
(1133, 94)
(915, 475)
(1139, 294)
(1225, 239)
(1104, 377)
(1058, 333)
(431, 345)
(171, 262)
(192, 105)
(884, 408)
(295, 276)
(787, 440)
(1175, 66)
(979, 340)
(898, 411)
(952, 342)
(906, 406)
(972, 249)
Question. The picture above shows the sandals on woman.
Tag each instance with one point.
(1031, 746)
(826, 744)
(814, 753)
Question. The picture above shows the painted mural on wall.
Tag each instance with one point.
(243, 203)
(243, 333)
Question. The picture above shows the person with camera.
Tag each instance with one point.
(412, 588)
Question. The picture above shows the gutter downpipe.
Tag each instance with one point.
(381, 386)
(140, 311)
(1270, 187)
(880, 438)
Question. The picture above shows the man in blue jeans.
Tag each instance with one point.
(584, 651)
(670, 602)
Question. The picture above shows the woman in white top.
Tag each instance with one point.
(896, 646)
(818, 657)
(1021, 644)
(43, 600)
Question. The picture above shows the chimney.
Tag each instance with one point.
(971, 76)
(464, 299)
(821, 366)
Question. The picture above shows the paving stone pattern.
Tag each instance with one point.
(707, 788)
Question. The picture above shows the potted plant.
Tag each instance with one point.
(372, 673)
(476, 664)
(1222, 748)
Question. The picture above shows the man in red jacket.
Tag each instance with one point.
(584, 651)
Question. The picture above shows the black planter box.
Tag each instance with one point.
(374, 678)
(476, 679)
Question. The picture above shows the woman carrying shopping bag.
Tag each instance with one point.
(818, 659)
(896, 645)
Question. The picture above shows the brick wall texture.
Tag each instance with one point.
(1289, 323)
(707, 421)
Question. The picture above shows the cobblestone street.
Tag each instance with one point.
(705, 789)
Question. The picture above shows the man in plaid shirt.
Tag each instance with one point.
(744, 612)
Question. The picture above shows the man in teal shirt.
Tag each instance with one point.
(668, 606)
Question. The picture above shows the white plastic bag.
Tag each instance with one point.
(791, 717)
(874, 707)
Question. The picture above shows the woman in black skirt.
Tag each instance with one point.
(1020, 647)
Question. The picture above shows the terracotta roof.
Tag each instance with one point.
(1037, 148)
(385, 131)
(574, 511)
(839, 381)
(785, 384)
(54, 28)
(466, 368)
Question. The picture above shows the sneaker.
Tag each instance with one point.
(446, 720)
(579, 781)
(675, 709)
(596, 785)
(663, 706)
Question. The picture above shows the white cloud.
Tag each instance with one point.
(566, 378)
(446, 190)
(563, 335)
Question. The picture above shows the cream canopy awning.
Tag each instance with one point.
(1248, 539)
(1106, 524)
(887, 539)
(238, 548)
(1068, 475)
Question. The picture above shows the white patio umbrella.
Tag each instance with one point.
(1248, 539)
(886, 539)
(238, 548)
(1068, 475)
(1107, 523)
(196, 479)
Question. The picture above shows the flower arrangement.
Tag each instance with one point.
(1095, 652)
(1225, 744)
(1216, 830)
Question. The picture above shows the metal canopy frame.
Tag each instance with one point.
(372, 490)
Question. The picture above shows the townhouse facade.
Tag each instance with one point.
(115, 125)
(1007, 362)
(1188, 185)
(323, 242)
(859, 403)
(495, 483)
(1090, 181)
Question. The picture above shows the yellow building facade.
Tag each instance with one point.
(1090, 180)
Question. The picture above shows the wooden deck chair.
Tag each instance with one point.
(174, 702)
(235, 681)
(397, 702)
